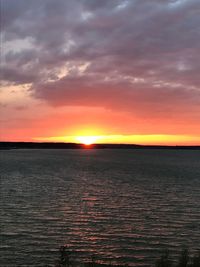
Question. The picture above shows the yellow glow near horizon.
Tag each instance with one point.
(154, 139)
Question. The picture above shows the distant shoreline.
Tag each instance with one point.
(50, 145)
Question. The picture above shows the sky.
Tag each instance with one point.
(118, 71)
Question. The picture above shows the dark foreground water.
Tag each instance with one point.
(123, 206)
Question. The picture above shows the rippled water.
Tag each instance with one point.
(122, 206)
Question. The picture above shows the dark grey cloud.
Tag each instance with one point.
(127, 54)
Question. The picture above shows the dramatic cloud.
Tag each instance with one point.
(141, 57)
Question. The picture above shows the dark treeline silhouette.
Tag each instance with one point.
(50, 145)
(184, 260)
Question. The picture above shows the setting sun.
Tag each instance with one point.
(87, 140)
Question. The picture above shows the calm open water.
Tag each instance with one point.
(122, 206)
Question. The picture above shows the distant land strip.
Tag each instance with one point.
(51, 145)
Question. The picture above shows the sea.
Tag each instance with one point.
(111, 206)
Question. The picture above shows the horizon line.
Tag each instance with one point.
(99, 144)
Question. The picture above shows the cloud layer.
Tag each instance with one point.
(141, 57)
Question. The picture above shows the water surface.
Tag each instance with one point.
(122, 206)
